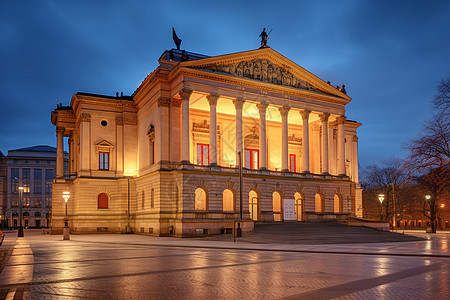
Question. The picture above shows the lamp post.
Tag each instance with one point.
(66, 236)
(381, 198)
(20, 232)
(430, 229)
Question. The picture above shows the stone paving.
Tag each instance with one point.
(143, 267)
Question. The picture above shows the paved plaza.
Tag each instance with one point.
(264, 265)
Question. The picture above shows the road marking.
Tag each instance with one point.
(19, 268)
(10, 295)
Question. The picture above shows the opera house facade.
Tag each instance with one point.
(165, 160)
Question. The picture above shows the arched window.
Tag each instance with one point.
(319, 203)
(102, 200)
(200, 199)
(253, 205)
(143, 199)
(228, 200)
(277, 211)
(337, 204)
(299, 207)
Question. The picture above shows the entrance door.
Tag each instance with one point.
(38, 223)
(253, 206)
(15, 223)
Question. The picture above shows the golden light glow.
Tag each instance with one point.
(66, 196)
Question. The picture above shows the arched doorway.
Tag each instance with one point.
(299, 206)
(15, 220)
(253, 205)
(26, 219)
(338, 205)
(319, 203)
(277, 207)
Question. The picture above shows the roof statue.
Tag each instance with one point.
(264, 37)
(176, 39)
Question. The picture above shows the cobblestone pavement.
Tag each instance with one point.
(143, 267)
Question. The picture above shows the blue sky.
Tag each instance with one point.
(389, 54)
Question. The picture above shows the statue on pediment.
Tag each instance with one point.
(264, 37)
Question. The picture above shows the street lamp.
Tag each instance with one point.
(381, 198)
(66, 196)
(20, 232)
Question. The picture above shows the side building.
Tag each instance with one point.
(164, 161)
(32, 168)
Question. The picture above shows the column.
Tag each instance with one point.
(239, 104)
(163, 134)
(355, 159)
(284, 111)
(185, 95)
(175, 130)
(324, 119)
(59, 152)
(262, 107)
(71, 165)
(305, 140)
(341, 145)
(212, 99)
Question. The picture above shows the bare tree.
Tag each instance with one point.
(442, 99)
(435, 183)
(389, 180)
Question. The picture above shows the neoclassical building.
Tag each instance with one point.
(165, 160)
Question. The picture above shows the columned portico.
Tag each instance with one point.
(212, 99)
(305, 140)
(324, 119)
(185, 95)
(284, 111)
(341, 145)
(163, 116)
(59, 152)
(262, 107)
(239, 104)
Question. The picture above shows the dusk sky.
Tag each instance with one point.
(390, 55)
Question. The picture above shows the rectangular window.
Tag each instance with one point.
(48, 188)
(203, 154)
(292, 163)
(48, 201)
(25, 173)
(252, 159)
(15, 201)
(104, 161)
(26, 201)
(48, 174)
(14, 180)
(38, 202)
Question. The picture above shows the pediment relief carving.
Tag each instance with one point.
(260, 69)
(104, 143)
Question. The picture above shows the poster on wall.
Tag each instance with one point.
(289, 210)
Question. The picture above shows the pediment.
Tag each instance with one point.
(268, 66)
(104, 143)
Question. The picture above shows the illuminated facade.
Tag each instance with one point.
(164, 160)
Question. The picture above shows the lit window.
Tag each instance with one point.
(200, 199)
(203, 154)
(292, 163)
(228, 200)
(104, 161)
(252, 159)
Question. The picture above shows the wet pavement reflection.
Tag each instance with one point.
(142, 267)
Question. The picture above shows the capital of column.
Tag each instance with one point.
(165, 102)
(185, 94)
(324, 117)
(59, 130)
(262, 107)
(341, 119)
(305, 114)
(284, 111)
(238, 103)
(176, 102)
(355, 138)
(212, 99)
